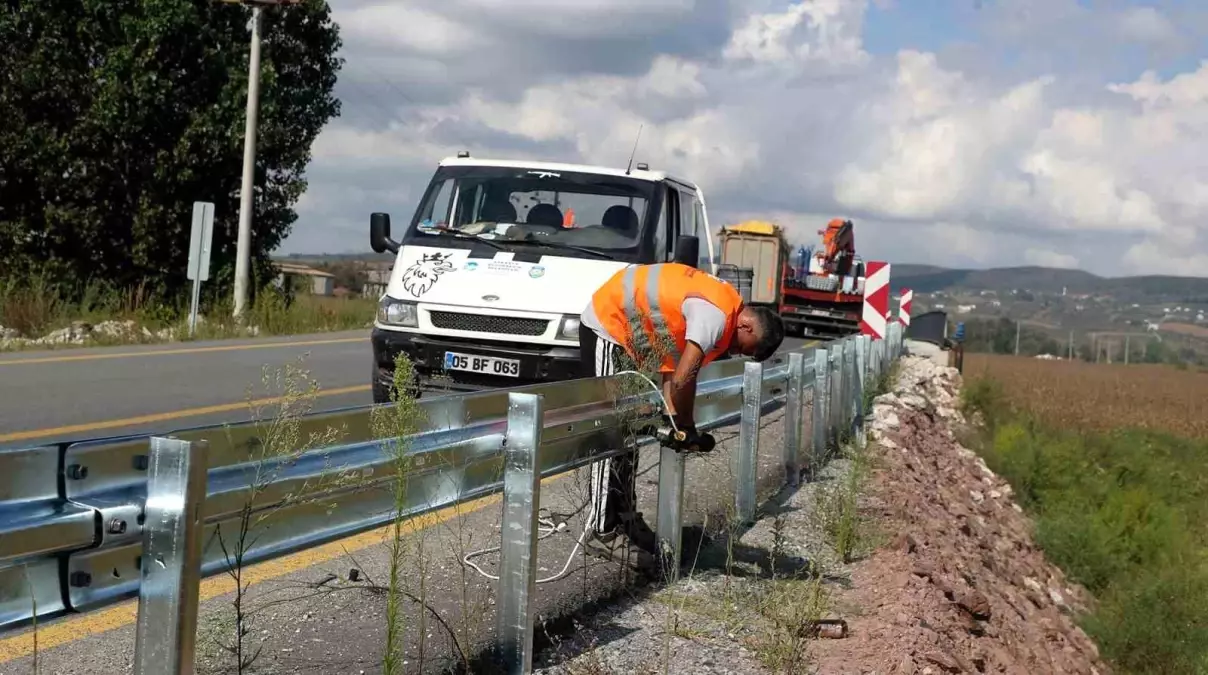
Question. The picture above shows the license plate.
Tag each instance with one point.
(487, 365)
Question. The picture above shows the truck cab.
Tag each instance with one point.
(500, 258)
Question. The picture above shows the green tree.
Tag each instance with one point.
(119, 114)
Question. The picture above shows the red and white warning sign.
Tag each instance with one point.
(904, 301)
(875, 319)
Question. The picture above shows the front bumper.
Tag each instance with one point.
(538, 363)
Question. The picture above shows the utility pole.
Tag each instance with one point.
(1017, 338)
(1127, 345)
(1071, 357)
(243, 246)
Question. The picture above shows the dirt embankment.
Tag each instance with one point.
(962, 587)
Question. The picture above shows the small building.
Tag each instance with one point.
(304, 278)
(376, 280)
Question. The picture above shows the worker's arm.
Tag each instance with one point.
(705, 325)
(679, 387)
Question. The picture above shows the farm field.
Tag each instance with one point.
(1100, 397)
(1111, 462)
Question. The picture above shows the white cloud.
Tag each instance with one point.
(811, 31)
(785, 110)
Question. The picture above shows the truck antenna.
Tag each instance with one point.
(635, 150)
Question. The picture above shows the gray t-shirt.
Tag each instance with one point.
(705, 323)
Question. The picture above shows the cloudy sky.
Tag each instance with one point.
(953, 132)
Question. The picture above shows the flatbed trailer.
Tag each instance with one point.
(812, 302)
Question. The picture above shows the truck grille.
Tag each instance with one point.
(482, 323)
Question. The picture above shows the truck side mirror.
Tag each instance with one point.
(687, 250)
(379, 234)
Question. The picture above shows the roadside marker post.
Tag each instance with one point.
(201, 238)
(905, 299)
(875, 317)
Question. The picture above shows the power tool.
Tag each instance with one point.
(680, 441)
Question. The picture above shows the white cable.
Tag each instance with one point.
(547, 528)
(666, 406)
(547, 525)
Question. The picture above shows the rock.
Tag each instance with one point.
(906, 543)
(976, 603)
(885, 422)
(943, 660)
(77, 333)
(924, 570)
(116, 329)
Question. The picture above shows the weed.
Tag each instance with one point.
(1121, 511)
(277, 444)
(35, 307)
(394, 424)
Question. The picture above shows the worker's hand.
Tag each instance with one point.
(678, 422)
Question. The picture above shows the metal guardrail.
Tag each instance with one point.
(88, 524)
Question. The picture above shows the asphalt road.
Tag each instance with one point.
(62, 395)
(75, 394)
(311, 617)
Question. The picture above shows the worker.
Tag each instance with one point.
(688, 318)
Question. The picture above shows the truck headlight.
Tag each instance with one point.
(569, 328)
(393, 312)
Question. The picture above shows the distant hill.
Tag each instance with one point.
(1153, 288)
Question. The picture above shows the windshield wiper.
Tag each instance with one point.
(553, 244)
(462, 235)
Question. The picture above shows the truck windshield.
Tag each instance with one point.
(511, 205)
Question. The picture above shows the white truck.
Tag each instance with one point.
(500, 258)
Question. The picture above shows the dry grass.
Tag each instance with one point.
(1186, 329)
(1100, 397)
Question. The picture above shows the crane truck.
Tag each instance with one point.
(820, 296)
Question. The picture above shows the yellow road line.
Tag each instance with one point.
(165, 416)
(171, 352)
(84, 625)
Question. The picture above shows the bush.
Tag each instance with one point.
(1123, 513)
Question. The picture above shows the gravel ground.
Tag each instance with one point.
(940, 573)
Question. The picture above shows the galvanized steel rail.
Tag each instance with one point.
(88, 524)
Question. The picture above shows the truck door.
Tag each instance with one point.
(669, 227)
(709, 257)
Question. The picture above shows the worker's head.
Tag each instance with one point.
(758, 333)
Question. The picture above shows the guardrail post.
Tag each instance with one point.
(862, 345)
(834, 401)
(669, 526)
(170, 566)
(818, 421)
(748, 441)
(792, 418)
(518, 554)
(851, 400)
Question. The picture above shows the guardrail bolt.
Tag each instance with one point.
(117, 526)
(77, 472)
(80, 579)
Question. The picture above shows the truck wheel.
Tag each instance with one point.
(381, 393)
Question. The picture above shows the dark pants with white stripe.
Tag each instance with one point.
(613, 481)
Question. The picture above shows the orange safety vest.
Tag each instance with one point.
(654, 295)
